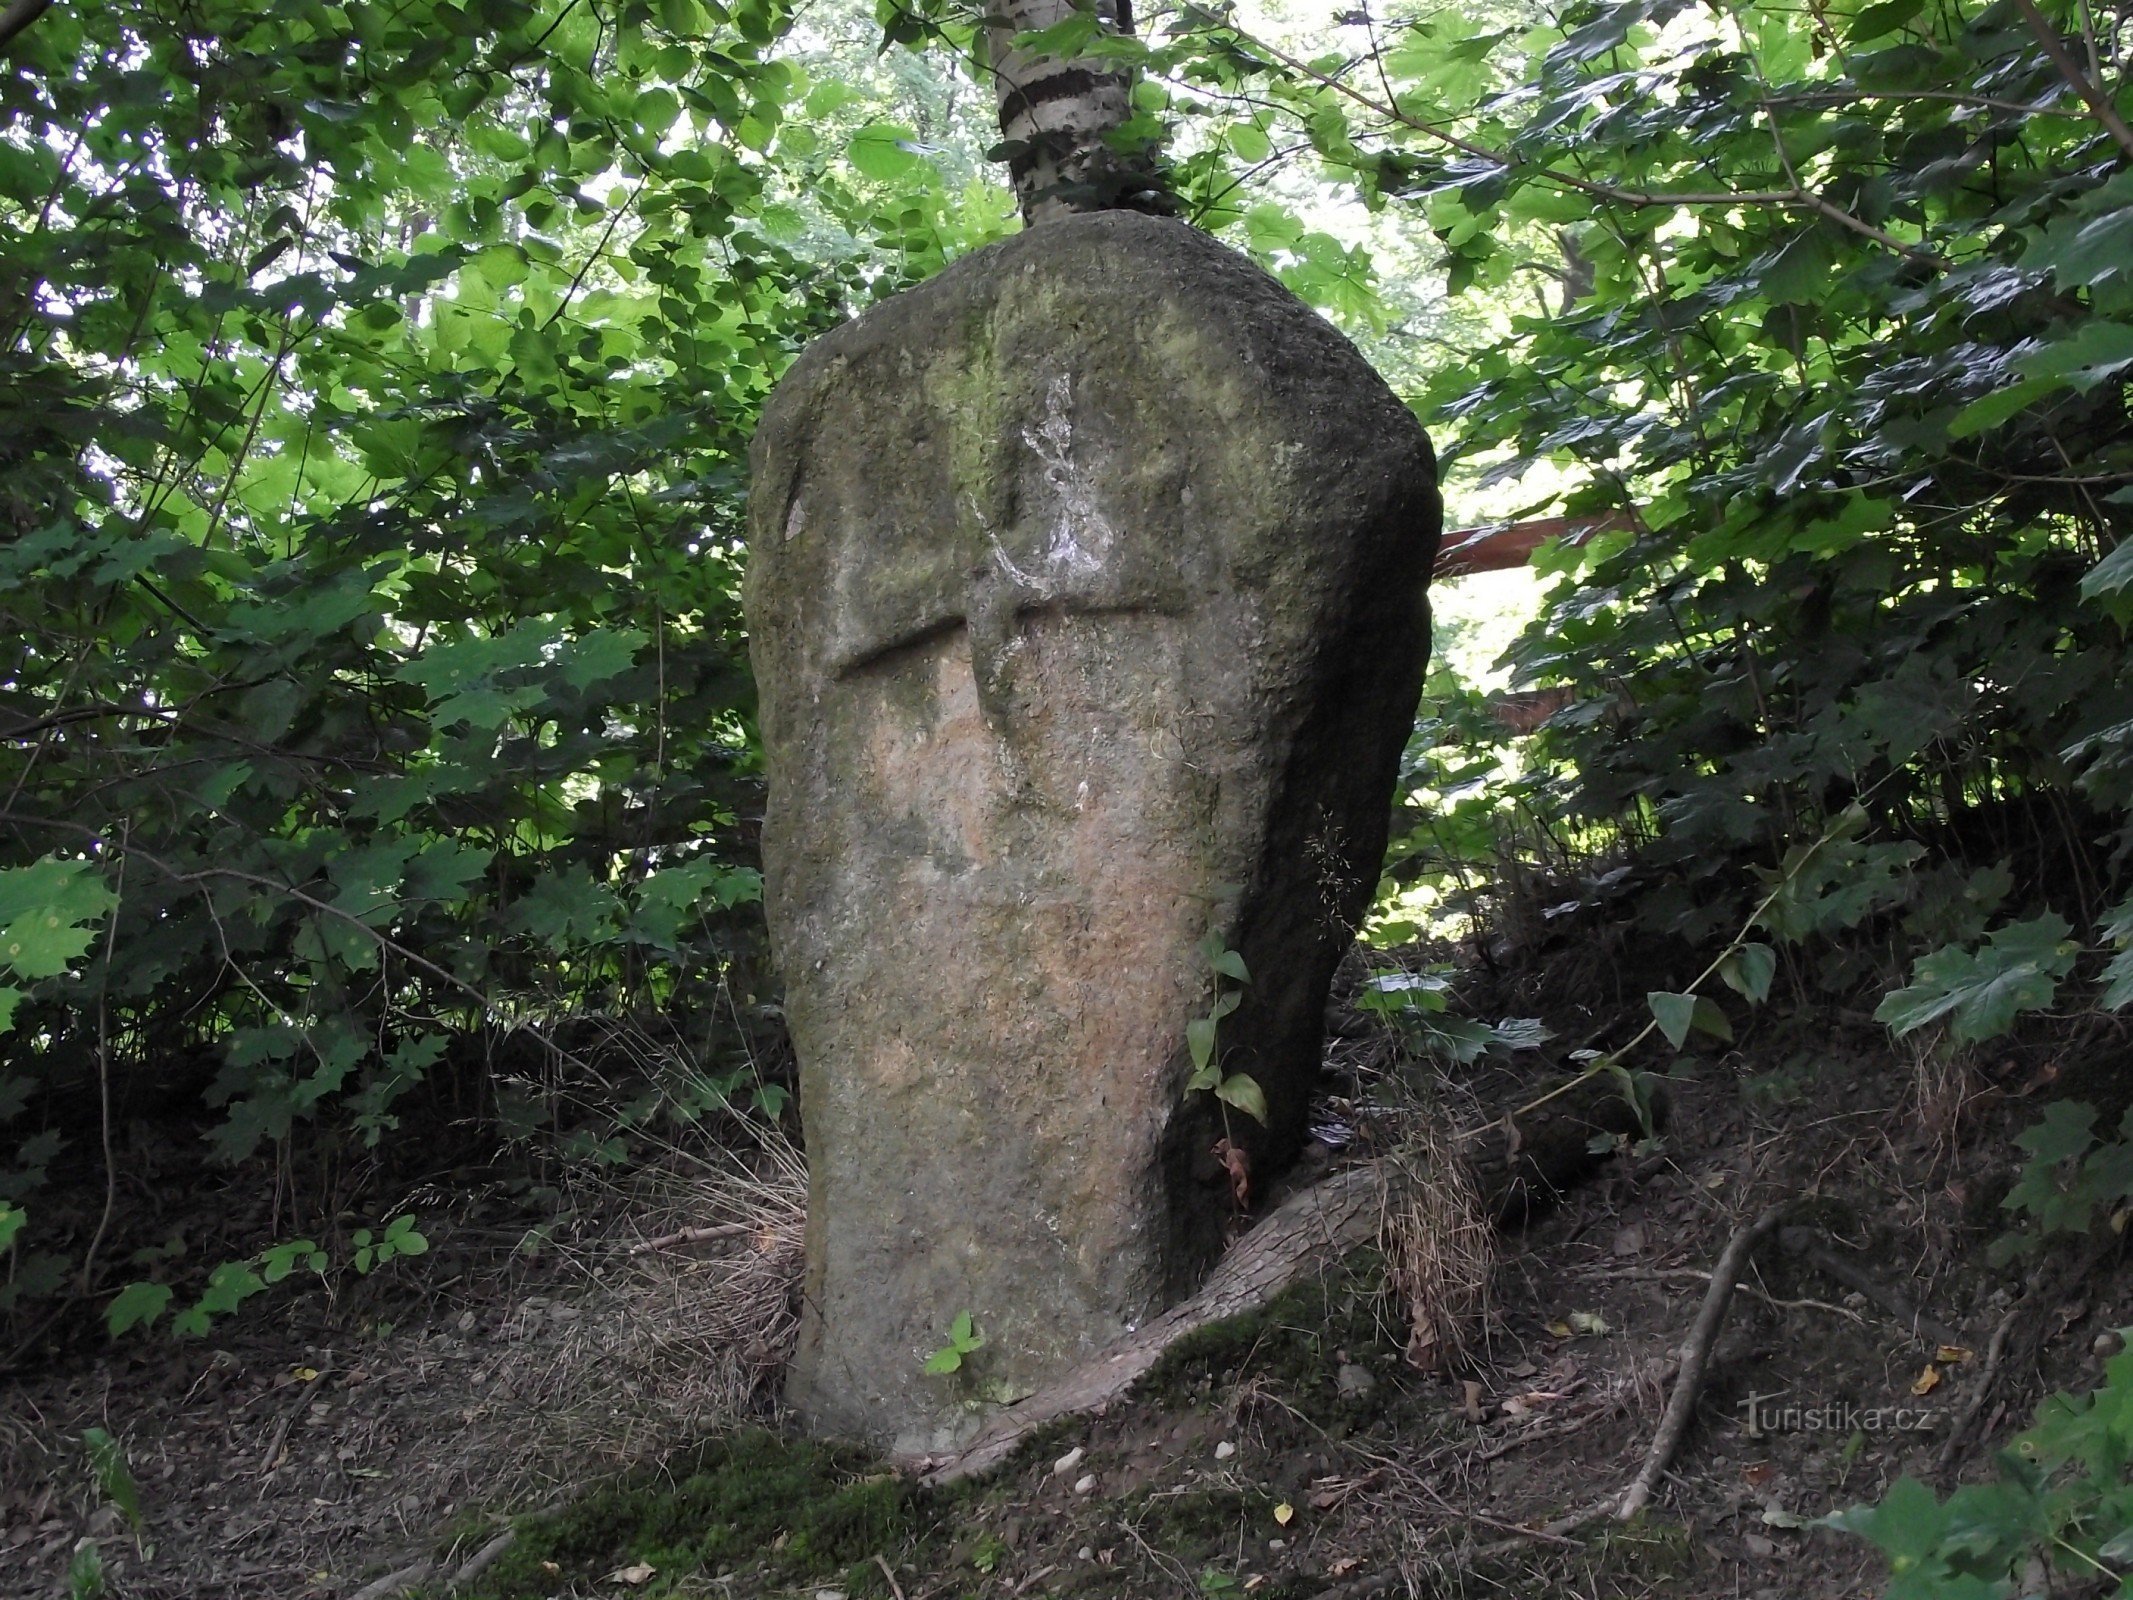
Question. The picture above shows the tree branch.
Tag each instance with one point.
(18, 16)
(2060, 57)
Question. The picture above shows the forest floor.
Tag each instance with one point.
(317, 1445)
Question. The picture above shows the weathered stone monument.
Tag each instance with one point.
(1087, 599)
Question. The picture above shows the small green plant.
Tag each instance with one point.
(85, 1572)
(398, 1239)
(988, 1553)
(1214, 1581)
(963, 1340)
(2061, 1497)
(1237, 1089)
(2070, 1180)
(138, 1305)
(114, 1478)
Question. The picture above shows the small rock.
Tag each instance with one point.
(1277, 1544)
(1085, 1484)
(1085, 1553)
(1759, 1547)
(2108, 1343)
(466, 1322)
(1068, 1462)
(829, 1594)
(1630, 1241)
(1354, 1382)
(1224, 1450)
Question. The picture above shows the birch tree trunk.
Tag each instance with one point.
(1057, 118)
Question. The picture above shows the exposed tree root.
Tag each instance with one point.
(1323, 1222)
(1695, 1356)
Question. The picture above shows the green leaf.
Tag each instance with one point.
(1200, 1040)
(945, 1360)
(884, 151)
(107, 1459)
(2017, 969)
(2093, 352)
(2111, 574)
(1995, 408)
(1242, 1091)
(1231, 965)
(12, 1219)
(136, 1305)
(2067, 1130)
(1249, 143)
(1675, 1014)
(1709, 1018)
(1748, 971)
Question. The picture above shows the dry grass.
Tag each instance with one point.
(1440, 1250)
(673, 1334)
(1945, 1082)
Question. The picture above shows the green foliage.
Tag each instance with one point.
(1418, 1005)
(1980, 992)
(2070, 1180)
(1237, 1089)
(963, 1340)
(85, 1572)
(113, 1477)
(399, 1239)
(2061, 1497)
(374, 392)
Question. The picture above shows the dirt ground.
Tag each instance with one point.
(315, 1445)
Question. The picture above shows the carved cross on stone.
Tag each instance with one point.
(1086, 598)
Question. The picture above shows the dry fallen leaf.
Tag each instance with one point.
(1927, 1381)
(1284, 1513)
(305, 1374)
(639, 1572)
(1953, 1353)
(1344, 1566)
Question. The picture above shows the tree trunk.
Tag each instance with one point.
(1058, 117)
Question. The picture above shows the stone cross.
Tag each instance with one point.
(1086, 596)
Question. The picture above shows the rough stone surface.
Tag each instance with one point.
(1087, 604)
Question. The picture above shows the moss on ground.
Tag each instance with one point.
(751, 1504)
(1295, 1346)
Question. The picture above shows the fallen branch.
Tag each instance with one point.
(1695, 1356)
(722, 1230)
(483, 1559)
(1988, 1376)
(395, 1583)
(1328, 1220)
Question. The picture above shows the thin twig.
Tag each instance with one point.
(896, 1589)
(1988, 1376)
(1695, 1356)
(666, 1241)
(2056, 52)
